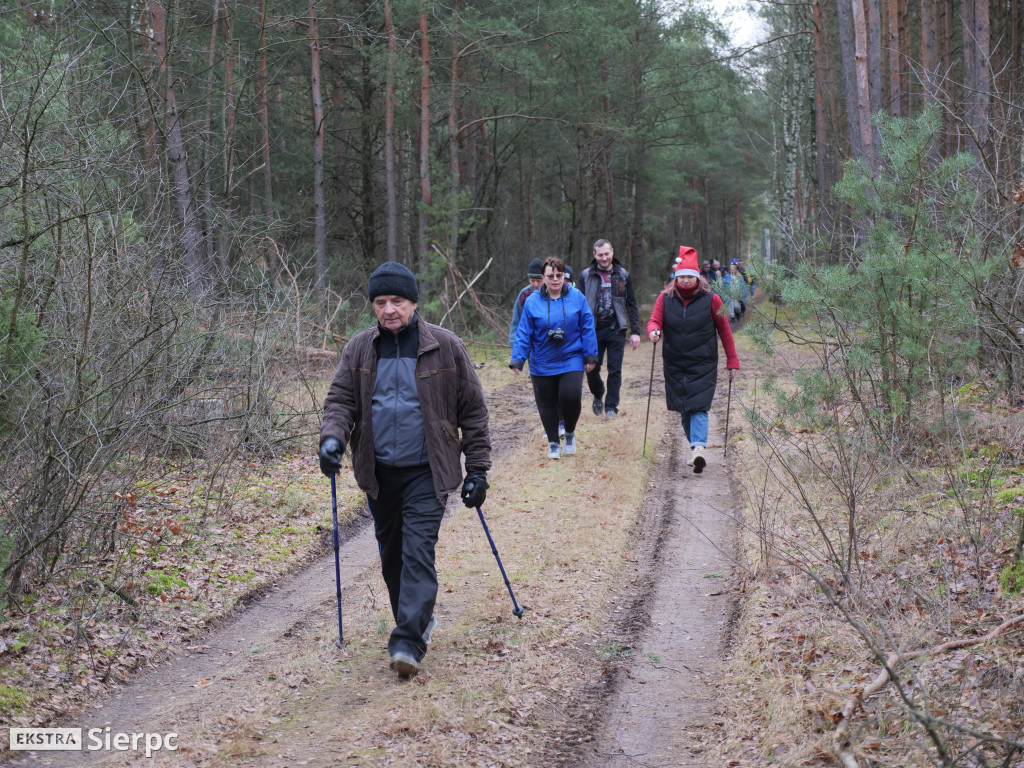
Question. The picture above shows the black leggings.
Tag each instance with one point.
(558, 396)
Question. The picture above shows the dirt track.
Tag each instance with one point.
(654, 705)
(661, 708)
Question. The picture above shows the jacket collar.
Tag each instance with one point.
(616, 265)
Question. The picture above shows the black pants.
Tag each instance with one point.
(612, 340)
(558, 397)
(406, 518)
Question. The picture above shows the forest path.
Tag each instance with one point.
(662, 708)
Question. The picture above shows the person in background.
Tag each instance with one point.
(609, 291)
(535, 279)
(706, 272)
(535, 276)
(406, 398)
(689, 317)
(556, 334)
(746, 277)
(735, 291)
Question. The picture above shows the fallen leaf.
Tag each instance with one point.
(1018, 256)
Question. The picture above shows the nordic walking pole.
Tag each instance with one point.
(728, 406)
(650, 388)
(337, 563)
(517, 611)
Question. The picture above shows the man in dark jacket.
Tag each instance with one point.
(609, 291)
(407, 400)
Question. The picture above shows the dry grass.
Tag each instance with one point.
(931, 540)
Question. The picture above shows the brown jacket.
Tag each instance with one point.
(451, 401)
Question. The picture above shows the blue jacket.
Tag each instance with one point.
(541, 313)
(737, 286)
(517, 312)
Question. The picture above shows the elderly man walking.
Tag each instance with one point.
(406, 399)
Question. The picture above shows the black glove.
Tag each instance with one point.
(330, 456)
(474, 488)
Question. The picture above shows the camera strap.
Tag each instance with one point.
(549, 312)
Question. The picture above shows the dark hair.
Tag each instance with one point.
(601, 242)
(555, 263)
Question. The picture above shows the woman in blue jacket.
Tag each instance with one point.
(556, 334)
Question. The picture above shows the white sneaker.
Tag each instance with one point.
(570, 444)
(699, 462)
(689, 460)
(561, 429)
(554, 450)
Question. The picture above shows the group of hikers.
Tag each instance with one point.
(405, 398)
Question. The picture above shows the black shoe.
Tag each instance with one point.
(404, 664)
(598, 406)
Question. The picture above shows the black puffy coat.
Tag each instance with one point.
(690, 353)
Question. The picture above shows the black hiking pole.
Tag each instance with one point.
(517, 611)
(728, 406)
(650, 388)
(337, 563)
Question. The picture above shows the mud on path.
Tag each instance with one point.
(648, 698)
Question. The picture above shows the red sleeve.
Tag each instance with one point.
(657, 314)
(724, 332)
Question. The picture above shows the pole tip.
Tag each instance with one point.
(518, 611)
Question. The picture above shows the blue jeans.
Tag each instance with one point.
(696, 427)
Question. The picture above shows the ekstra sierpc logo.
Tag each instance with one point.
(70, 740)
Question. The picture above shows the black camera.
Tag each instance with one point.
(556, 335)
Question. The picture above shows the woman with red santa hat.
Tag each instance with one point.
(690, 317)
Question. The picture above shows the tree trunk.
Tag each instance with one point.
(847, 49)
(421, 228)
(264, 113)
(976, 37)
(149, 132)
(820, 125)
(637, 246)
(389, 135)
(208, 223)
(453, 140)
(230, 110)
(319, 215)
(368, 218)
(861, 53)
(928, 59)
(874, 20)
(195, 265)
(895, 58)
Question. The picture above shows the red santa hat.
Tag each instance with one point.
(687, 263)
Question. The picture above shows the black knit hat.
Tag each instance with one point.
(536, 268)
(393, 279)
